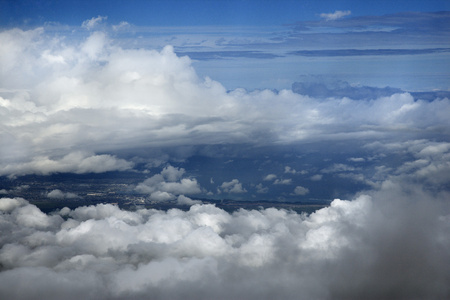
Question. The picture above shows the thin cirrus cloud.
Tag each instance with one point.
(368, 52)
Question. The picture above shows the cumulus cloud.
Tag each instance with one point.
(183, 200)
(300, 190)
(169, 184)
(58, 194)
(233, 186)
(270, 177)
(350, 250)
(316, 177)
(283, 181)
(338, 14)
(289, 170)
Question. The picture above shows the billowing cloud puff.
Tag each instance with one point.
(233, 186)
(289, 170)
(283, 181)
(349, 250)
(183, 200)
(67, 104)
(300, 190)
(316, 177)
(270, 177)
(168, 184)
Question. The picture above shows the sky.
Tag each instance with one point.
(262, 44)
(338, 102)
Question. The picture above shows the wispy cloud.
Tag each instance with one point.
(92, 23)
(368, 52)
(338, 14)
(209, 55)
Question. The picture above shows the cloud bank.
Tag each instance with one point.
(68, 105)
(387, 244)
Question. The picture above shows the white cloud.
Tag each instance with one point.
(233, 186)
(289, 170)
(283, 181)
(94, 46)
(55, 194)
(338, 14)
(356, 159)
(161, 196)
(316, 177)
(337, 167)
(121, 26)
(270, 177)
(92, 23)
(76, 162)
(58, 194)
(177, 254)
(172, 174)
(260, 189)
(183, 200)
(300, 190)
(9, 204)
(168, 184)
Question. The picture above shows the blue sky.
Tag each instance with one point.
(270, 44)
(200, 12)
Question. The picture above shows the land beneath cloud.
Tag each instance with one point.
(47, 193)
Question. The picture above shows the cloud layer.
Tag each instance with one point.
(68, 105)
(388, 244)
